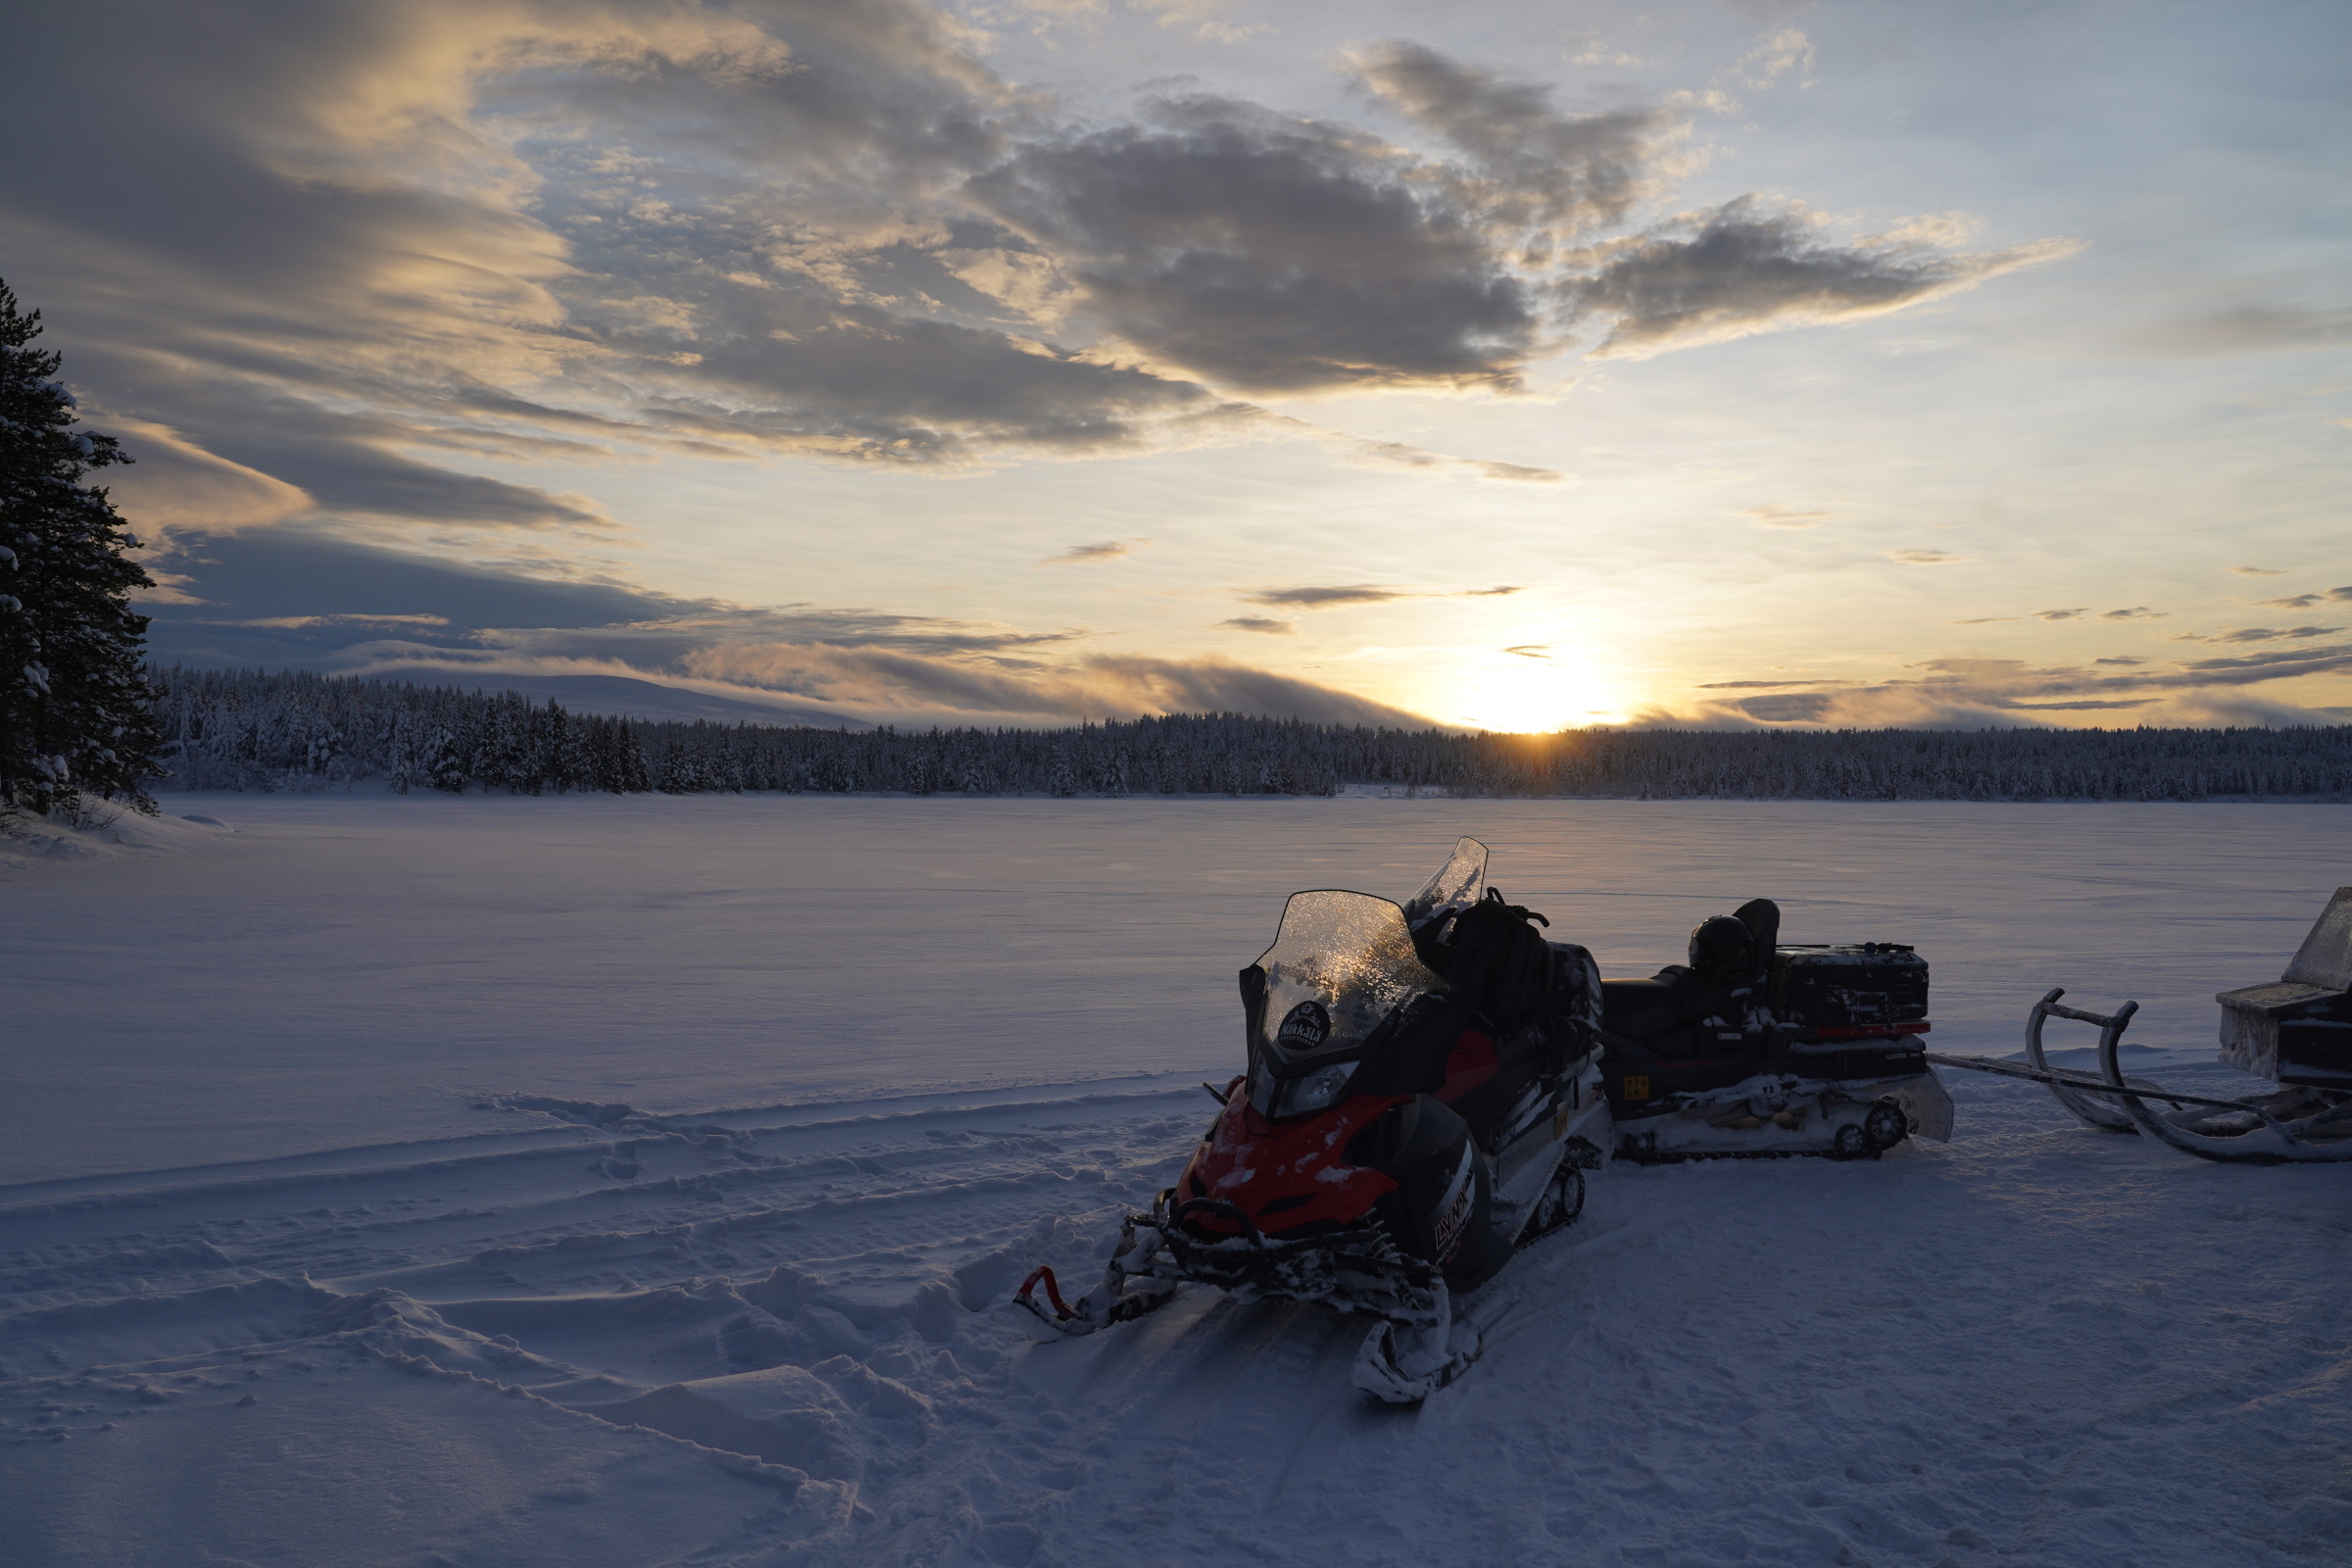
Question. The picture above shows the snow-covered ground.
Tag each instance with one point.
(415, 1180)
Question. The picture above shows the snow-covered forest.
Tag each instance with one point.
(249, 730)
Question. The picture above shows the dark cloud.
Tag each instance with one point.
(287, 596)
(1328, 598)
(1736, 685)
(1082, 555)
(1925, 557)
(1747, 267)
(883, 682)
(2075, 614)
(1531, 651)
(2254, 667)
(1260, 624)
(1268, 254)
(1333, 598)
(2136, 613)
(1531, 170)
(2305, 601)
(2258, 571)
(336, 259)
(1972, 693)
(2262, 634)
(1793, 708)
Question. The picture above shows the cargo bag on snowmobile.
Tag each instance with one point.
(1849, 989)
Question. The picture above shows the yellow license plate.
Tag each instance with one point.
(1636, 1089)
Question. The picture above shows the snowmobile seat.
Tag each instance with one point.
(1731, 961)
(2298, 1029)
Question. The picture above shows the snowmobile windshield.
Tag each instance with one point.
(1342, 967)
(1457, 885)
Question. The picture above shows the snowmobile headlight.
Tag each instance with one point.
(1317, 1090)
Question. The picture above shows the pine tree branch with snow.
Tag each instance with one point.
(77, 715)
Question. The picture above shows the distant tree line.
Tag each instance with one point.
(248, 730)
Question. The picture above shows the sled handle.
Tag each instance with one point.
(2105, 1117)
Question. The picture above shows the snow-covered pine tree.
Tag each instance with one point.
(76, 714)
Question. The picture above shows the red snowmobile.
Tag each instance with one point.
(1423, 1100)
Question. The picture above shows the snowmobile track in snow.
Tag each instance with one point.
(572, 1332)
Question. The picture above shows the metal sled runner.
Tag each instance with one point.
(2296, 1031)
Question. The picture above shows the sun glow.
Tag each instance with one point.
(1535, 691)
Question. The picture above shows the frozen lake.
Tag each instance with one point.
(363, 969)
(567, 1181)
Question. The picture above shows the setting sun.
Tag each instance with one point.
(1535, 691)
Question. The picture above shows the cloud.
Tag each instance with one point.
(1336, 597)
(1266, 254)
(1976, 693)
(1787, 516)
(411, 616)
(308, 623)
(2255, 328)
(1531, 171)
(2258, 571)
(2305, 601)
(1205, 19)
(1260, 624)
(1739, 685)
(1328, 598)
(1985, 620)
(1589, 48)
(1531, 650)
(2076, 613)
(2262, 634)
(1397, 455)
(2136, 613)
(1108, 549)
(175, 484)
(339, 264)
(1925, 557)
(881, 681)
(1746, 267)
(1774, 56)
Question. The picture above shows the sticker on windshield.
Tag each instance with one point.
(1305, 1027)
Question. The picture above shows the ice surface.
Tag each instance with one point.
(796, 1089)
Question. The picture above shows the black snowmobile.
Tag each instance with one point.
(1759, 1048)
(2295, 1031)
(1423, 1099)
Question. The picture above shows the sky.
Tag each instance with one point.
(1019, 362)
